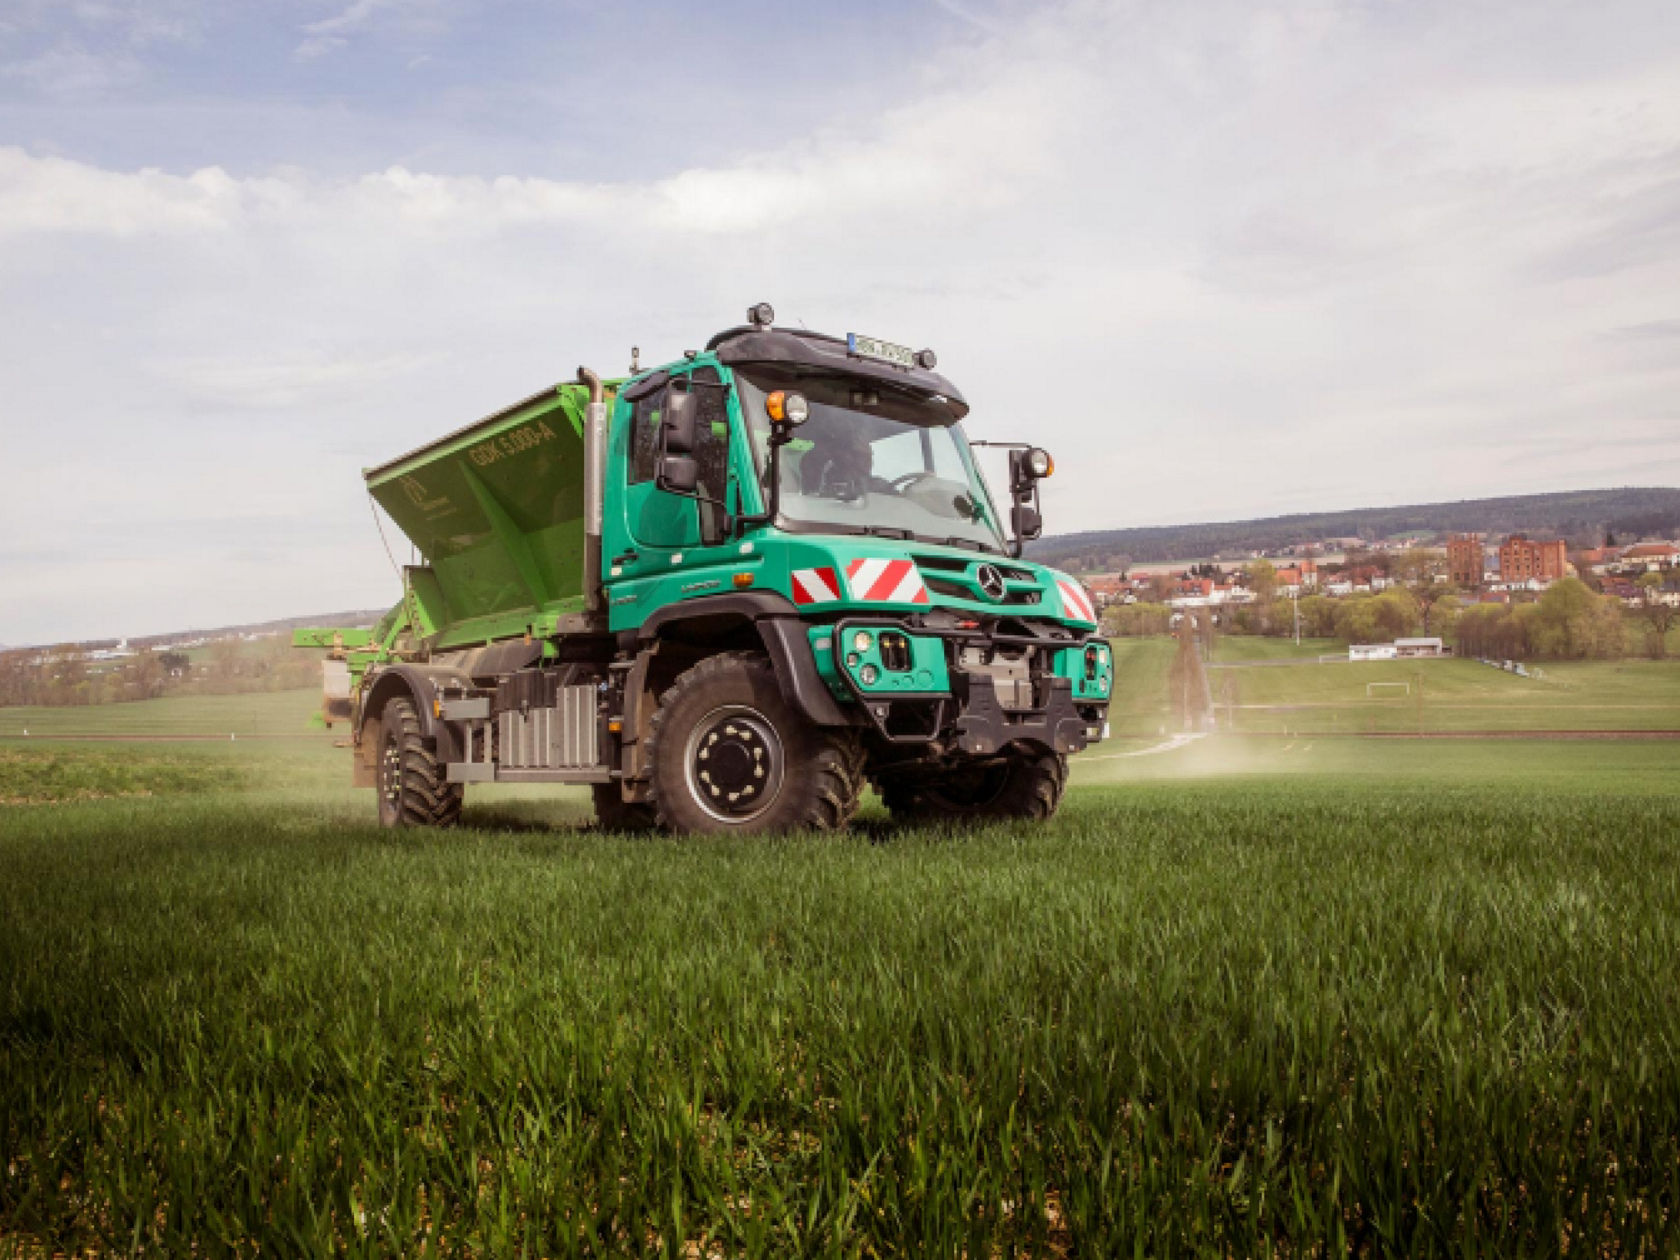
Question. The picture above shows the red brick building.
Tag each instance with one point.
(1464, 559)
(1522, 558)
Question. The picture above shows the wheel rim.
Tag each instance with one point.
(733, 763)
(390, 777)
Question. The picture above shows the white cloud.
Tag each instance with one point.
(331, 33)
(1224, 259)
(288, 379)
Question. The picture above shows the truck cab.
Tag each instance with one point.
(729, 593)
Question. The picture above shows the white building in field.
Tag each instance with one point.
(1372, 652)
(1400, 649)
(1420, 647)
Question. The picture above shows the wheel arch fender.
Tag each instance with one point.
(420, 684)
(767, 620)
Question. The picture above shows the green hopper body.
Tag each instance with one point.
(496, 510)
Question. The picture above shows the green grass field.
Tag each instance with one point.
(1142, 703)
(266, 714)
(1245, 995)
(1448, 695)
(1249, 647)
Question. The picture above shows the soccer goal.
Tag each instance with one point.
(1375, 689)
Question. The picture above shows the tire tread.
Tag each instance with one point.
(828, 777)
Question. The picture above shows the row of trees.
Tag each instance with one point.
(1568, 622)
(65, 676)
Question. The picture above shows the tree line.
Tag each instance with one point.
(1569, 621)
(66, 676)
(1582, 516)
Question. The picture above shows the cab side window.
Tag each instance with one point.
(644, 437)
(711, 405)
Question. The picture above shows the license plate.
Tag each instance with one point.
(875, 348)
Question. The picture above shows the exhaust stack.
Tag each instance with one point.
(594, 487)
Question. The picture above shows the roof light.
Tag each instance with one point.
(1039, 462)
(786, 407)
(762, 315)
(927, 359)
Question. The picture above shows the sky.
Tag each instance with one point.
(1224, 258)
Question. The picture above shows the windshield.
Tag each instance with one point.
(872, 460)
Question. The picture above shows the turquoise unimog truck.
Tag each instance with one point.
(728, 594)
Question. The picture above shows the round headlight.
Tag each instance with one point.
(926, 359)
(763, 315)
(795, 410)
(1039, 462)
(860, 640)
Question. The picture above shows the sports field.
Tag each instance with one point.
(1245, 995)
(1447, 695)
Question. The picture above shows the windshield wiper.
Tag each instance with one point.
(889, 531)
(972, 544)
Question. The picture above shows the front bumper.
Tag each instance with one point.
(984, 727)
(935, 699)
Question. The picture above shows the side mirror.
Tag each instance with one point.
(676, 428)
(1028, 466)
(679, 473)
(1025, 521)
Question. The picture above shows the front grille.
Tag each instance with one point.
(961, 590)
(951, 564)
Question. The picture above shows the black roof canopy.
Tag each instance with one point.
(748, 345)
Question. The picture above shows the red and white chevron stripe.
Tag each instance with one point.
(1075, 602)
(815, 586)
(886, 581)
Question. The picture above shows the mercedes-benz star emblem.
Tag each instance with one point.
(990, 580)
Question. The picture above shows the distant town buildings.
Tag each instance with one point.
(1523, 559)
(1649, 557)
(1294, 579)
(1480, 571)
(1465, 566)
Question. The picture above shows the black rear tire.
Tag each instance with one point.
(1027, 787)
(413, 787)
(729, 755)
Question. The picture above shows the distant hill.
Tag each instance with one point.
(284, 625)
(1581, 516)
(364, 617)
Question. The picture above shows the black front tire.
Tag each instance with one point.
(1026, 787)
(729, 755)
(413, 787)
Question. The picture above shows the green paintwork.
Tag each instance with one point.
(497, 512)
(927, 674)
(822, 651)
(329, 637)
(1070, 663)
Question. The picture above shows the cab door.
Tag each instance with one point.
(657, 518)
(673, 538)
(654, 519)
